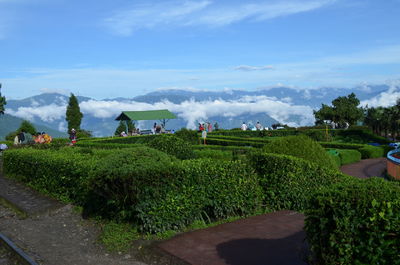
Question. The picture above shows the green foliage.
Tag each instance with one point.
(172, 145)
(73, 114)
(288, 181)
(369, 151)
(25, 126)
(344, 109)
(118, 237)
(189, 136)
(359, 136)
(3, 102)
(219, 141)
(121, 128)
(142, 139)
(61, 173)
(318, 135)
(355, 223)
(213, 154)
(303, 147)
(349, 156)
(334, 154)
(206, 190)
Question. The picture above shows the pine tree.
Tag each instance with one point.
(73, 115)
(121, 128)
(2, 102)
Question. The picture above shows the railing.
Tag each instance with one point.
(392, 158)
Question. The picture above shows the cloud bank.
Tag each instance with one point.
(190, 111)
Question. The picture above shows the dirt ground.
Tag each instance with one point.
(63, 237)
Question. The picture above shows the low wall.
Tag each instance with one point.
(393, 164)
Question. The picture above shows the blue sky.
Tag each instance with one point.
(105, 49)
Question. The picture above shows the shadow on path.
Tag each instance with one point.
(290, 250)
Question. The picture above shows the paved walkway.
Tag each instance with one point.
(275, 238)
(366, 168)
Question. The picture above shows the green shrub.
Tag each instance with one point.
(173, 146)
(160, 193)
(349, 156)
(60, 173)
(288, 181)
(213, 154)
(369, 151)
(216, 141)
(334, 154)
(355, 223)
(189, 136)
(360, 136)
(317, 135)
(208, 190)
(302, 147)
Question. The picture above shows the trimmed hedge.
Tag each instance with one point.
(303, 147)
(142, 185)
(189, 136)
(60, 173)
(213, 154)
(367, 151)
(216, 141)
(349, 156)
(172, 145)
(288, 181)
(355, 223)
(334, 154)
(209, 191)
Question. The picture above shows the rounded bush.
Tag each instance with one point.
(172, 145)
(303, 147)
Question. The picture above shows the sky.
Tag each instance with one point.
(121, 48)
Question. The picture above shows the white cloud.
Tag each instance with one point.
(47, 113)
(191, 111)
(386, 98)
(53, 90)
(253, 68)
(209, 13)
(148, 16)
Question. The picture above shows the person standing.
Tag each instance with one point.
(258, 126)
(243, 127)
(72, 136)
(216, 126)
(209, 127)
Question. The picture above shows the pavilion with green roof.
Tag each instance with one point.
(162, 115)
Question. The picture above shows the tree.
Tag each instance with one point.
(73, 115)
(3, 102)
(344, 109)
(25, 127)
(121, 128)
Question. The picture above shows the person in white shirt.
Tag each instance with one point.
(243, 127)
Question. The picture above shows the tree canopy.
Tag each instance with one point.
(73, 115)
(3, 102)
(344, 109)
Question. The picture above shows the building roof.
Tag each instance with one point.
(146, 115)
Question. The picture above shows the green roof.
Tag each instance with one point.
(146, 115)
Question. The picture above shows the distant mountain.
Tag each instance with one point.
(10, 123)
(229, 107)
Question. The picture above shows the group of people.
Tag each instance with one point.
(27, 138)
(131, 133)
(208, 127)
(158, 128)
(251, 127)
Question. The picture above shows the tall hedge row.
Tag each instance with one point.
(355, 223)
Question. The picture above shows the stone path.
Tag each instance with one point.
(366, 168)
